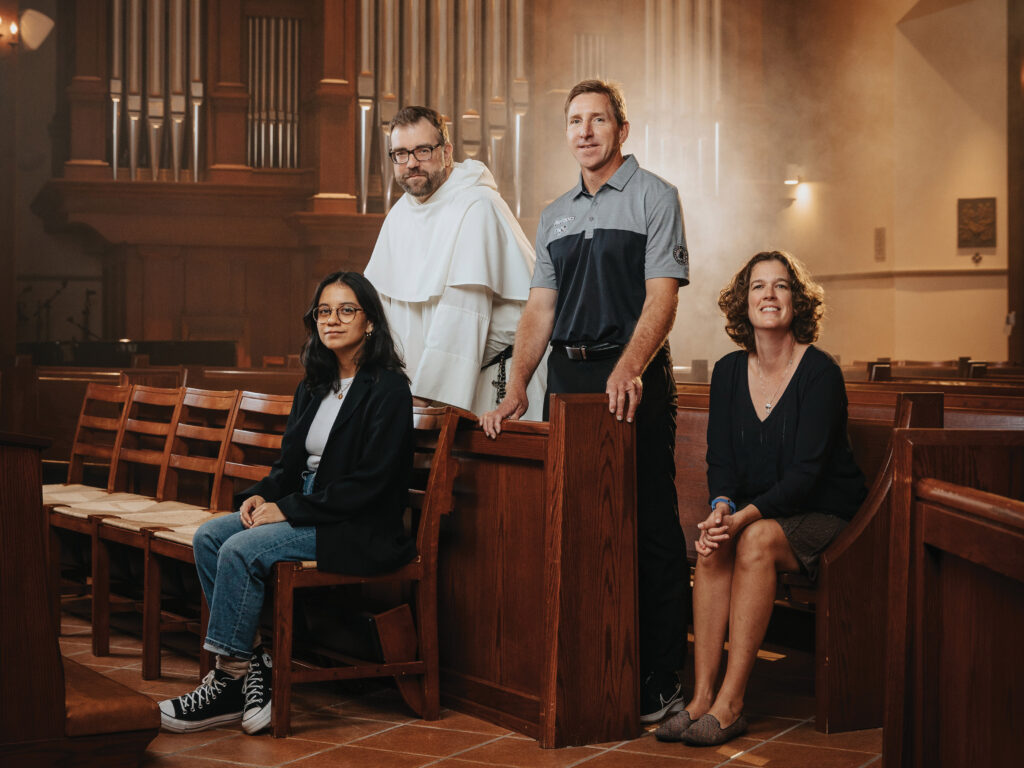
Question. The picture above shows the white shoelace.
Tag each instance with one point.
(204, 694)
(254, 686)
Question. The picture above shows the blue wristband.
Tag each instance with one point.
(732, 505)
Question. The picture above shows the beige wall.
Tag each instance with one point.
(914, 122)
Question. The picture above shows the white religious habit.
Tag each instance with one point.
(454, 275)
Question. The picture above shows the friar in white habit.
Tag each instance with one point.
(453, 269)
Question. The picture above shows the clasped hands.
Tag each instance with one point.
(258, 511)
(719, 527)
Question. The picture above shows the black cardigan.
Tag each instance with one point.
(799, 458)
(359, 494)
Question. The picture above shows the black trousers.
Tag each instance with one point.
(661, 548)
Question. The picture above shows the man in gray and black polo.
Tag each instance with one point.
(611, 256)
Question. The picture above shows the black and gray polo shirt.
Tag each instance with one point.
(597, 251)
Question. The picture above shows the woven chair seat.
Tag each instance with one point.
(76, 496)
(69, 487)
(112, 505)
(183, 534)
(163, 514)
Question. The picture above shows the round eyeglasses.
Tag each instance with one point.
(346, 313)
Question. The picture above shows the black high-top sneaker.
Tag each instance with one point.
(217, 700)
(256, 710)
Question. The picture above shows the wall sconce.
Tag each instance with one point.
(794, 175)
(32, 31)
(9, 30)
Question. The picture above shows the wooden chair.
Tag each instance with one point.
(408, 645)
(99, 424)
(196, 452)
(139, 451)
(255, 442)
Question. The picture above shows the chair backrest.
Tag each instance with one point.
(99, 423)
(144, 443)
(432, 487)
(254, 444)
(199, 446)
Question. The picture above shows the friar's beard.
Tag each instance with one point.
(421, 184)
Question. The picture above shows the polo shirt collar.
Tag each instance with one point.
(618, 179)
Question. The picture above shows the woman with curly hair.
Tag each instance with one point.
(336, 494)
(782, 478)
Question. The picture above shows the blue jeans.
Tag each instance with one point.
(234, 563)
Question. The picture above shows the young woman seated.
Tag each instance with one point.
(335, 495)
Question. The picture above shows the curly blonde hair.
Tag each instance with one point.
(808, 301)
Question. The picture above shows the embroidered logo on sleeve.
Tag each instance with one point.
(681, 255)
(561, 226)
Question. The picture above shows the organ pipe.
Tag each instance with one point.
(155, 76)
(116, 79)
(155, 85)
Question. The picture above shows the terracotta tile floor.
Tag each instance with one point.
(336, 728)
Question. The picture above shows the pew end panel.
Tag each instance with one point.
(54, 711)
(591, 632)
(491, 576)
(852, 583)
(956, 606)
(538, 572)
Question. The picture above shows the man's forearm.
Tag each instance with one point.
(532, 337)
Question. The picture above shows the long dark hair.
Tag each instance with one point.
(378, 351)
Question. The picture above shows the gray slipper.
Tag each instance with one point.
(708, 732)
(674, 728)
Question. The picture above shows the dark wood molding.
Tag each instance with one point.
(154, 213)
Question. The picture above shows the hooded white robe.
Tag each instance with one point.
(454, 275)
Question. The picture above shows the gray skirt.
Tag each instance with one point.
(809, 535)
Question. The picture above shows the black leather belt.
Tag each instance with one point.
(587, 351)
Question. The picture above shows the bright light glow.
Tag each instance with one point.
(14, 28)
(792, 182)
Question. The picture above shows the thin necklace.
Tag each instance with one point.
(771, 400)
(345, 385)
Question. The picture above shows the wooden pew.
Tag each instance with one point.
(1003, 387)
(537, 578)
(55, 711)
(270, 381)
(956, 600)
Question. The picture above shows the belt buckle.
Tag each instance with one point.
(576, 353)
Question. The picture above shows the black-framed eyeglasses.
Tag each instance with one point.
(421, 153)
(346, 313)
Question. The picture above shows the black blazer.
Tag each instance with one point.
(359, 494)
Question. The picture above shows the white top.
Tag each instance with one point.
(454, 275)
(320, 429)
